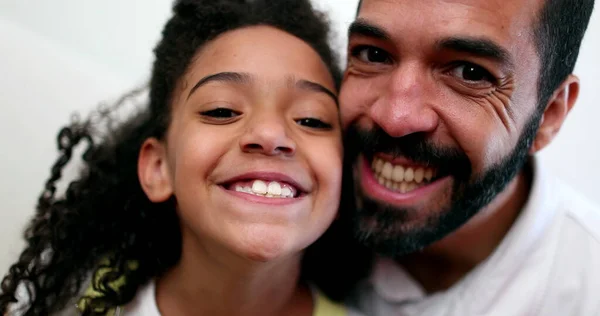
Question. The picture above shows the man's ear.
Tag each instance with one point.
(153, 171)
(560, 104)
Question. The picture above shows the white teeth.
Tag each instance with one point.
(409, 175)
(259, 187)
(386, 172)
(419, 173)
(428, 174)
(400, 178)
(239, 188)
(378, 165)
(286, 192)
(403, 187)
(274, 188)
(388, 184)
(398, 174)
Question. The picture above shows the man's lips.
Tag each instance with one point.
(407, 191)
(400, 174)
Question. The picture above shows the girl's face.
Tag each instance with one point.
(253, 154)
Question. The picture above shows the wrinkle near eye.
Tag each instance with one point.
(500, 99)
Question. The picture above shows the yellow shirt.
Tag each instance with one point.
(146, 304)
(325, 307)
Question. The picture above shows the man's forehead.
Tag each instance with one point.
(502, 13)
(497, 5)
(503, 21)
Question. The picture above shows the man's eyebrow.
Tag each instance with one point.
(364, 28)
(232, 77)
(479, 47)
(315, 87)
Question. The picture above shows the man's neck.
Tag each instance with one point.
(217, 282)
(447, 261)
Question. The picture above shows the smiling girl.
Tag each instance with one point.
(203, 202)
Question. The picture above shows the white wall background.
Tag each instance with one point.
(62, 56)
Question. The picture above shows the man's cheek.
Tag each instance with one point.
(350, 104)
(348, 114)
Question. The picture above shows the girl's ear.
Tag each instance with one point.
(153, 171)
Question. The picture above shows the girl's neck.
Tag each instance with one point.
(209, 281)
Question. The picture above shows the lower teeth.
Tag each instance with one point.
(249, 191)
(402, 187)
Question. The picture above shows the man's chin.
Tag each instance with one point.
(392, 231)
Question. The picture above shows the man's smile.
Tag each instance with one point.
(399, 182)
(400, 176)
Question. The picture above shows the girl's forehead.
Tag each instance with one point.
(264, 52)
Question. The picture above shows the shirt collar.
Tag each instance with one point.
(393, 283)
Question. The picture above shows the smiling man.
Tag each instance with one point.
(446, 104)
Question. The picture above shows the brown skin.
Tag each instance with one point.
(242, 257)
(422, 88)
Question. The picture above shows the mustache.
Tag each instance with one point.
(415, 147)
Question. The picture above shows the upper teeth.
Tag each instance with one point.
(400, 178)
(399, 173)
(271, 189)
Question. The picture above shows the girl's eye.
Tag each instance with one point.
(313, 123)
(472, 73)
(220, 113)
(371, 54)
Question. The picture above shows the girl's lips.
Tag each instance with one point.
(267, 177)
(282, 189)
(261, 199)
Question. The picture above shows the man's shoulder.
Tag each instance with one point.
(580, 215)
(575, 257)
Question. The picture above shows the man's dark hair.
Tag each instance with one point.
(559, 31)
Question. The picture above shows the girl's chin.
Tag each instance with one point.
(253, 243)
(267, 244)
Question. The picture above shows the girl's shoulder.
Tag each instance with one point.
(144, 302)
(326, 307)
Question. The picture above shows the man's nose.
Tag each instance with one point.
(268, 134)
(405, 106)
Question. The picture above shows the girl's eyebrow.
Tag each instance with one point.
(315, 87)
(246, 78)
(233, 77)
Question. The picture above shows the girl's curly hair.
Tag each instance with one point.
(104, 219)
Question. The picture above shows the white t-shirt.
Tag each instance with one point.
(144, 304)
(548, 265)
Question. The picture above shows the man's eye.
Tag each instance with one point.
(371, 54)
(472, 73)
(313, 123)
(220, 113)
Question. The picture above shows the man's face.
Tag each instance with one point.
(439, 100)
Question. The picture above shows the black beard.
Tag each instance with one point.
(380, 226)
